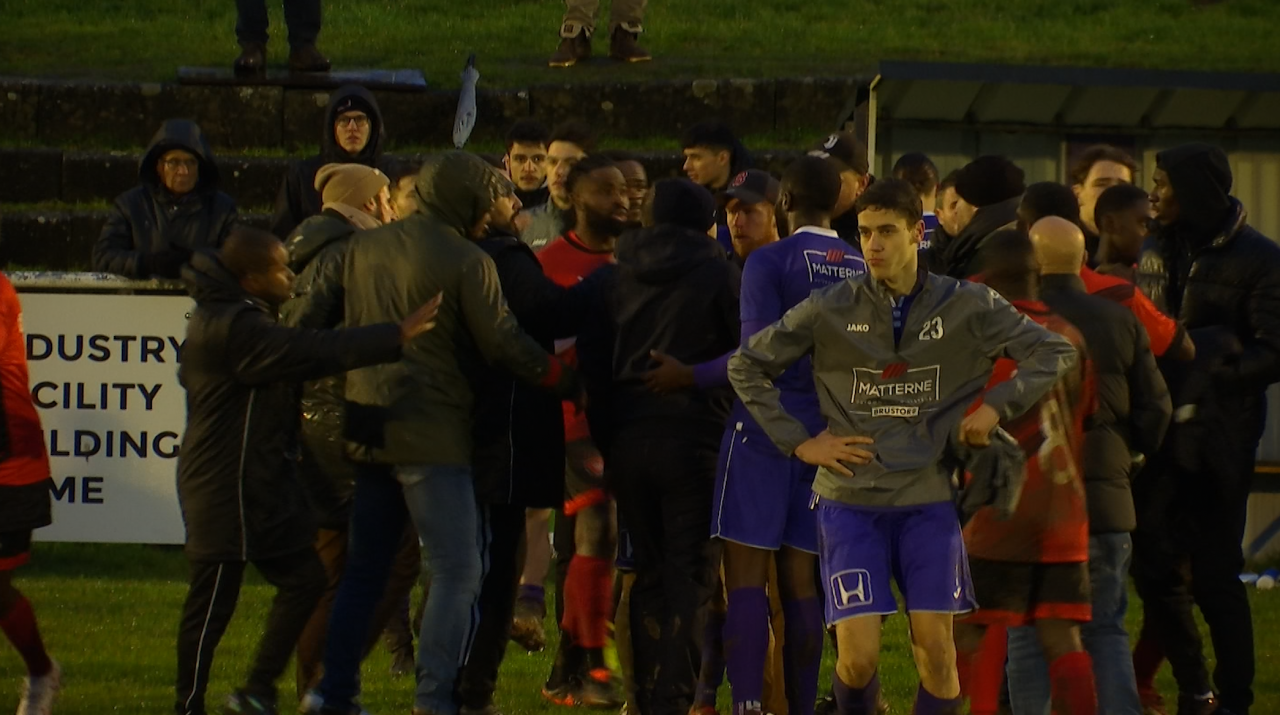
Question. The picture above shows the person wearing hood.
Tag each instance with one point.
(409, 423)
(353, 134)
(176, 208)
(1221, 278)
(990, 190)
(240, 496)
(713, 156)
(849, 156)
(672, 292)
(355, 197)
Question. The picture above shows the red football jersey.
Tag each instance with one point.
(566, 261)
(1161, 329)
(23, 457)
(1051, 523)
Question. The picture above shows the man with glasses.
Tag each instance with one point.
(176, 208)
(353, 134)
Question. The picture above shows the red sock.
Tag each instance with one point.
(1147, 658)
(19, 624)
(1071, 680)
(982, 672)
(588, 588)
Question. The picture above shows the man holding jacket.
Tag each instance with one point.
(1209, 269)
(409, 423)
(240, 498)
(175, 210)
(894, 356)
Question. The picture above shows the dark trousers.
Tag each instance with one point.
(663, 480)
(211, 600)
(504, 560)
(1187, 551)
(301, 16)
(331, 546)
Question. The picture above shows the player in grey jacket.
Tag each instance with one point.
(899, 356)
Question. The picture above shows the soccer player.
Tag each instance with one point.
(1032, 569)
(761, 505)
(526, 162)
(849, 155)
(1098, 168)
(919, 171)
(1123, 217)
(597, 191)
(569, 143)
(898, 355)
(24, 506)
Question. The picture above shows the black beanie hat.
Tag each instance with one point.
(990, 180)
(681, 202)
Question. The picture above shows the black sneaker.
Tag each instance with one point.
(241, 703)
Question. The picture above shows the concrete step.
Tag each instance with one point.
(35, 175)
(58, 112)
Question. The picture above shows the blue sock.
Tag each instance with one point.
(746, 646)
(857, 701)
(929, 704)
(533, 592)
(802, 653)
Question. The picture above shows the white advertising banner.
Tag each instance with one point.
(104, 377)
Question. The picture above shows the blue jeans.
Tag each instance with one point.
(1105, 639)
(442, 503)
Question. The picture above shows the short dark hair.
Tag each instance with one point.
(398, 169)
(1116, 199)
(894, 195)
(1047, 198)
(948, 181)
(527, 131)
(1009, 265)
(1096, 153)
(586, 166)
(618, 156)
(712, 134)
(919, 171)
(247, 250)
(813, 183)
(575, 132)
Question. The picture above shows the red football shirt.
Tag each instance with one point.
(1051, 523)
(1161, 329)
(567, 261)
(23, 457)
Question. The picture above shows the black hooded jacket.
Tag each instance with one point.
(961, 257)
(298, 198)
(1221, 279)
(151, 232)
(316, 251)
(672, 291)
(237, 486)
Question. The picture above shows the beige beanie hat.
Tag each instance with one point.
(350, 184)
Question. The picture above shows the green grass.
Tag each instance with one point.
(148, 39)
(109, 613)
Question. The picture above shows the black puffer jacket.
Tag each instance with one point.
(673, 292)
(147, 221)
(237, 485)
(519, 429)
(1220, 278)
(1133, 408)
(961, 257)
(316, 251)
(298, 198)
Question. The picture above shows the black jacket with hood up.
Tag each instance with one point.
(237, 486)
(147, 220)
(961, 257)
(298, 198)
(316, 250)
(1133, 408)
(671, 291)
(1221, 279)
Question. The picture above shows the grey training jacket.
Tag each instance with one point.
(909, 398)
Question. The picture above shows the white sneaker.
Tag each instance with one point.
(39, 693)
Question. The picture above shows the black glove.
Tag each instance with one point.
(168, 263)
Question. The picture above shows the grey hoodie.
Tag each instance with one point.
(909, 398)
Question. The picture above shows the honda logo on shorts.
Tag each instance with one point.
(850, 589)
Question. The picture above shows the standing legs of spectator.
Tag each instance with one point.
(302, 17)
(626, 22)
(506, 529)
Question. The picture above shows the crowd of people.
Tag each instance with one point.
(741, 407)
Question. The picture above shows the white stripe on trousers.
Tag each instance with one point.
(195, 681)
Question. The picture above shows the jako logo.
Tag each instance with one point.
(850, 589)
(857, 328)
